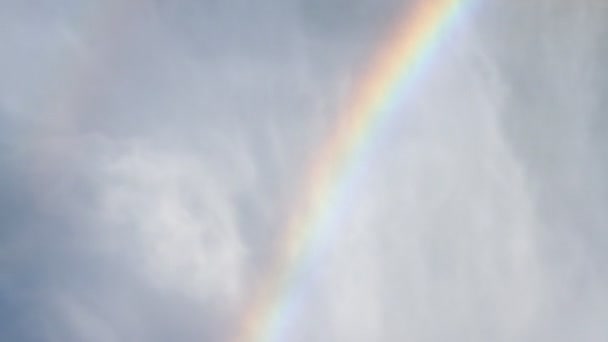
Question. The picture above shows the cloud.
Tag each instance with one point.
(152, 153)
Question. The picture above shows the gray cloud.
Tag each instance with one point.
(152, 151)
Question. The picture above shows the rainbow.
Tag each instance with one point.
(313, 221)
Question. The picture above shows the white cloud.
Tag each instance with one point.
(149, 203)
(175, 216)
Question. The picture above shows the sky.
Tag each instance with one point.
(151, 153)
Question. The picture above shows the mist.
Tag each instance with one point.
(152, 153)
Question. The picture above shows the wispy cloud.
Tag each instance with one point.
(151, 154)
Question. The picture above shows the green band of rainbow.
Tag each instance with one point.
(391, 75)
